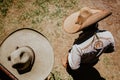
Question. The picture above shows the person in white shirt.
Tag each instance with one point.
(91, 43)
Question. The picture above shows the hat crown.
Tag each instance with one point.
(22, 59)
(84, 14)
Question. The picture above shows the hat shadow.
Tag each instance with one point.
(87, 74)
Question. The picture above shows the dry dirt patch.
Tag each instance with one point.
(47, 16)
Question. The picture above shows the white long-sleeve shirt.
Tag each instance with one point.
(90, 49)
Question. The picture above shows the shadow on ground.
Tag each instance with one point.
(87, 74)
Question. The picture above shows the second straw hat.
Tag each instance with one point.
(84, 18)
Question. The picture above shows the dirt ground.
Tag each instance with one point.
(47, 17)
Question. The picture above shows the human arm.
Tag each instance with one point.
(73, 58)
(111, 44)
(64, 60)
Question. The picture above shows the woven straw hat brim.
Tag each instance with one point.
(70, 25)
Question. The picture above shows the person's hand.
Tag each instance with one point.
(64, 60)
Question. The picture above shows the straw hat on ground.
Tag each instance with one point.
(27, 54)
(83, 18)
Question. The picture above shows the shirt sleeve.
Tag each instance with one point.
(74, 58)
(111, 46)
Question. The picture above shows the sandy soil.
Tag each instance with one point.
(50, 23)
